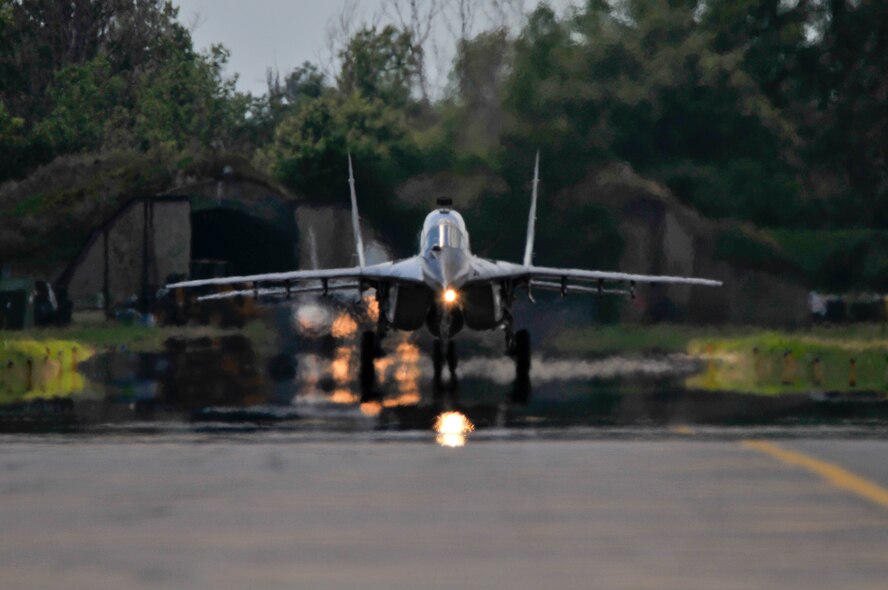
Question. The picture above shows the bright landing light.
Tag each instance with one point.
(449, 295)
(452, 428)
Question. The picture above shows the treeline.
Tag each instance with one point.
(771, 111)
(98, 75)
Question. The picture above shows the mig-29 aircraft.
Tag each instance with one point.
(444, 287)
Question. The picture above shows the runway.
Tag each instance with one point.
(664, 508)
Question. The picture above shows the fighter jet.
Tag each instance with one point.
(444, 287)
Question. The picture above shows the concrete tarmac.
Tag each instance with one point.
(264, 512)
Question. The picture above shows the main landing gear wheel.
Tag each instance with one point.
(451, 358)
(522, 354)
(521, 394)
(437, 360)
(369, 347)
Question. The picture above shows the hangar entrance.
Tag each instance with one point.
(247, 225)
(246, 243)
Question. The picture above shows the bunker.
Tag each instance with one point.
(222, 226)
(234, 226)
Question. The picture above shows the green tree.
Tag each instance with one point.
(846, 132)
(83, 99)
(770, 35)
(15, 150)
(49, 35)
(284, 97)
(381, 64)
(477, 86)
(80, 75)
(309, 148)
(185, 101)
(646, 86)
(305, 82)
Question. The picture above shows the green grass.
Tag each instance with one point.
(44, 368)
(42, 363)
(93, 331)
(136, 337)
(752, 360)
(772, 363)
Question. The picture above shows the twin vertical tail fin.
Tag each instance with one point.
(356, 221)
(531, 219)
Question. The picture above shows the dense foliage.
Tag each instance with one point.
(750, 109)
(768, 111)
(94, 75)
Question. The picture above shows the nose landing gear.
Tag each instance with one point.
(438, 359)
(518, 347)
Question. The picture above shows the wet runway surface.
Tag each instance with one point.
(652, 510)
(300, 376)
(225, 462)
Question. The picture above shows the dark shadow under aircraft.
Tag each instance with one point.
(444, 287)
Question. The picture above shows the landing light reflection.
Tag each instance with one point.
(453, 429)
(372, 307)
(344, 326)
(402, 370)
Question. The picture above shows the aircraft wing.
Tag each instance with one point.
(545, 277)
(545, 272)
(408, 270)
(558, 278)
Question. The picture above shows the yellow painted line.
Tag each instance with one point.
(837, 476)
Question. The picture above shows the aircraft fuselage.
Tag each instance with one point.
(445, 303)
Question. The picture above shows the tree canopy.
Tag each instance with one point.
(768, 111)
(93, 75)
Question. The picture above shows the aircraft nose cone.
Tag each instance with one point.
(448, 267)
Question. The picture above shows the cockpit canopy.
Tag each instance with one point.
(444, 228)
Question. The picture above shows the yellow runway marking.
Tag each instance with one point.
(839, 477)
